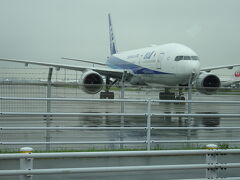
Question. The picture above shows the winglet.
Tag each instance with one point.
(113, 49)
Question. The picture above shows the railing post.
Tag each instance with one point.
(122, 107)
(189, 109)
(211, 159)
(26, 163)
(190, 81)
(149, 124)
(48, 119)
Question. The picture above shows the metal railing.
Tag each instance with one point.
(148, 114)
(212, 165)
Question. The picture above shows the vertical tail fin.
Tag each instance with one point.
(113, 48)
(237, 73)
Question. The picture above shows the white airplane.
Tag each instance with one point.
(232, 81)
(168, 64)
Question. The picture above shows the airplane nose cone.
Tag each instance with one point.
(193, 68)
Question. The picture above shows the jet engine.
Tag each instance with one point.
(91, 82)
(207, 83)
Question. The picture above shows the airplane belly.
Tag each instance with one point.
(165, 79)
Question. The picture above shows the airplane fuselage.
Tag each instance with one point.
(168, 64)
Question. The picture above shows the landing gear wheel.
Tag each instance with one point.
(166, 96)
(106, 95)
(181, 98)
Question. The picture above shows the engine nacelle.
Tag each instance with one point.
(91, 82)
(207, 83)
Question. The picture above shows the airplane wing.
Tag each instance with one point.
(115, 73)
(86, 61)
(209, 69)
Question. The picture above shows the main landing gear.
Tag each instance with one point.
(168, 95)
(110, 95)
(107, 94)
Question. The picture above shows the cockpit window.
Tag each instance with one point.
(179, 58)
(194, 58)
(187, 58)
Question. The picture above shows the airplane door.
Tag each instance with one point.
(159, 60)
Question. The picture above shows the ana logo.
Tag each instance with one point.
(148, 55)
(237, 73)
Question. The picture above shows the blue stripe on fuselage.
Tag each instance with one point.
(117, 63)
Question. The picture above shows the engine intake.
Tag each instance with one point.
(207, 83)
(91, 82)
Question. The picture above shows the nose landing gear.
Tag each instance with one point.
(168, 95)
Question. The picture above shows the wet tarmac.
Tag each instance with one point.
(114, 121)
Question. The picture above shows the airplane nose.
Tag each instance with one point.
(193, 68)
(194, 71)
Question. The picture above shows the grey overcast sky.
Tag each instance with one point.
(49, 29)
